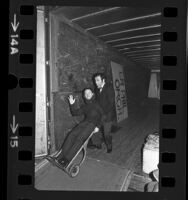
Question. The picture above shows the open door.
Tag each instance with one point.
(154, 85)
(41, 130)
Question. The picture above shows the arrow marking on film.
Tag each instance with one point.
(15, 25)
(14, 126)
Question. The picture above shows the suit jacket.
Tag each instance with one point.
(106, 100)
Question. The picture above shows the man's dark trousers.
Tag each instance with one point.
(104, 135)
(108, 134)
(105, 98)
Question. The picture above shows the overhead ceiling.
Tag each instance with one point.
(133, 32)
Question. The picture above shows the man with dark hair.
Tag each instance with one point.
(105, 97)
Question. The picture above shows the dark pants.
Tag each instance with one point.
(105, 133)
(75, 140)
(108, 134)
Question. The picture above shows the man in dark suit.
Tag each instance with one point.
(105, 97)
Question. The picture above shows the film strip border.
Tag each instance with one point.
(22, 85)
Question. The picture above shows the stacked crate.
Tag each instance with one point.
(151, 153)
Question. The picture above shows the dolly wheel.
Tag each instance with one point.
(74, 170)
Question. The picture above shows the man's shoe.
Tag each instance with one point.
(109, 150)
(57, 161)
(62, 162)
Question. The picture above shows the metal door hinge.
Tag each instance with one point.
(47, 103)
(46, 19)
(48, 143)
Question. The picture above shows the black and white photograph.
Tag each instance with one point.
(97, 101)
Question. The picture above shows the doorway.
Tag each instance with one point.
(154, 85)
(41, 131)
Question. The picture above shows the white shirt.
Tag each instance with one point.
(100, 90)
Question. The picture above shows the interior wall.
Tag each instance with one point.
(78, 58)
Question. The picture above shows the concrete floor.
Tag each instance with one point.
(94, 175)
(107, 172)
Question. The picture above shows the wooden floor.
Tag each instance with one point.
(129, 140)
(122, 167)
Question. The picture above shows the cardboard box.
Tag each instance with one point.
(151, 153)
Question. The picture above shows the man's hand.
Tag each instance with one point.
(96, 130)
(71, 99)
